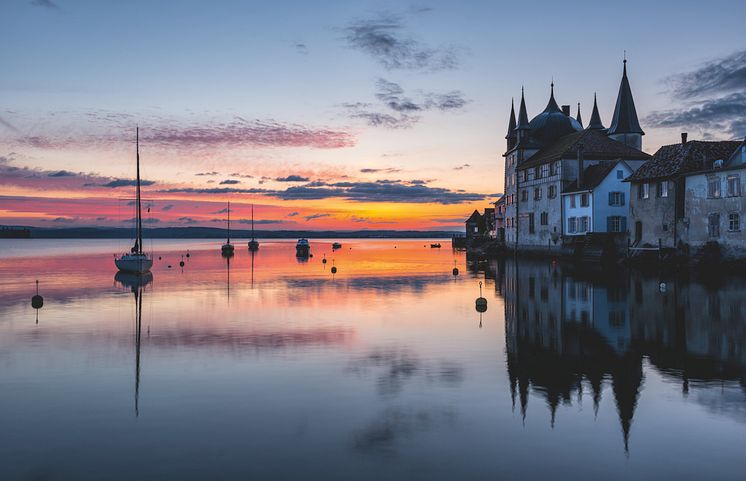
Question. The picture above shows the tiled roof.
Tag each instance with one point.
(592, 176)
(678, 159)
(596, 146)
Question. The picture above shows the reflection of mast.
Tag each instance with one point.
(228, 263)
(252, 268)
(138, 331)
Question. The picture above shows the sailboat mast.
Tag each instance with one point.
(229, 222)
(139, 207)
(252, 221)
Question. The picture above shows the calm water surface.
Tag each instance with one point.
(271, 368)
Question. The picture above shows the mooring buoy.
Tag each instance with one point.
(37, 301)
(455, 269)
(481, 302)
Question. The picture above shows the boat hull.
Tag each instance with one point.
(253, 245)
(302, 251)
(134, 264)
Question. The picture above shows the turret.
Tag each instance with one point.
(522, 128)
(595, 123)
(512, 136)
(579, 118)
(625, 127)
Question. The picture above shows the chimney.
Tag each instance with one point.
(581, 165)
(566, 110)
(683, 138)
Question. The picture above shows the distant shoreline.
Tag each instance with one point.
(217, 233)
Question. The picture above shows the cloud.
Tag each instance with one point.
(127, 182)
(207, 173)
(214, 190)
(292, 178)
(392, 95)
(712, 99)
(64, 220)
(384, 39)
(243, 176)
(719, 115)
(293, 214)
(187, 220)
(381, 191)
(377, 119)
(301, 48)
(7, 125)
(222, 211)
(44, 3)
(260, 221)
(418, 182)
(316, 216)
(727, 74)
(390, 170)
(229, 182)
(462, 167)
(146, 220)
(167, 207)
(61, 173)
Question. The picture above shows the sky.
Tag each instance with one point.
(328, 115)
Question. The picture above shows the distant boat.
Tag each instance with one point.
(253, 243)
(227, 248)
(435, 246)
(336, 245)
(136, 261)
(302, 248)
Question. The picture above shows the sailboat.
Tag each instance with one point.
(253, 243)
(227, 248)
(136, 261)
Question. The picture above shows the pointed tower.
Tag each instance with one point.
(512, 137)
(595, 123)
(625, 127)
(579, 118)
(522, 128)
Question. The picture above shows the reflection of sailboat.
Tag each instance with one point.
(252, 268)
(136, 260)
(228, 264)
(253, 243)
(227, 248)
(137, 284)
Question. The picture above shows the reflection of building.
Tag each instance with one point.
(567, 332)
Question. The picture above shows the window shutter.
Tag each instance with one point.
(608, 224)
(624, 223)
(621, 198)
(611, 198)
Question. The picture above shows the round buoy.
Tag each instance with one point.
(455, 271)
(188, 255)
(169, 266)
(159, 258)
(181, 263)
(323, 261)
(481, 302)
(37, 301)
(334, 270)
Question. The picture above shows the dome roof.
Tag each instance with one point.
(552, 123)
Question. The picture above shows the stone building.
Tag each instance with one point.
(546, 154)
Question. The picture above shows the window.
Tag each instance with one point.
(713, 187)
(644, 191)
(616, 198)
(545, 170)
(661, 189)
(713, 225)
(583, 200)
(537, 172)
(619, 174)
(555, 168)
(734, 222)
(572, 201)
(531, 227)
(552, 191)
(544, 218)
(524, 195)
(665, 227)
(537, 193)
(616, 223)
(572, 225)
(733, 186)
(583, 224)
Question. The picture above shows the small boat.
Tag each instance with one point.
(336, 245)
(435, 246)
(302, 248)
(253, 243)
(227, 248)
(136, 261)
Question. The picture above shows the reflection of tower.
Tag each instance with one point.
(626, 382)
(137, 284)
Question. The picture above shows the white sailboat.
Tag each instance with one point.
(136, 261)
(227, 248)
(253, 243)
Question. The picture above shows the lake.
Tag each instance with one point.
(266, 367)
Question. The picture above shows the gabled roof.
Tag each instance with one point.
(593, 175)
(596, 146)
(679, 159)
(625, 120)
(475, 217)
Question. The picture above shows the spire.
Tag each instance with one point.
(579, 118)
(552, 105)
(595, 123)
(625, 120)
(511, 122)
(522, 114)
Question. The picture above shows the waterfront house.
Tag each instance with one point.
(597, 203)
(659, 211)
(547, 154)
(500, 219)
(475, 225)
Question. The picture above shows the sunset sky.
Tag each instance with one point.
(328, 115)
